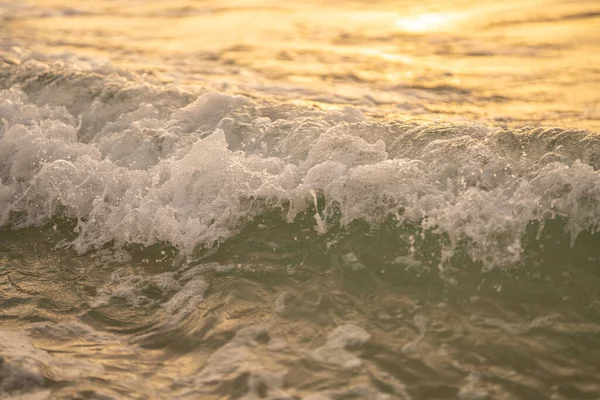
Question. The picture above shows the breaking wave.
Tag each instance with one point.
(133, 163)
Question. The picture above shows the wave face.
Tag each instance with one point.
(132, 163)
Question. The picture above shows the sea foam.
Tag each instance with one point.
(134, 163)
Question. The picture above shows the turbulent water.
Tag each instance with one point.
(313, 201)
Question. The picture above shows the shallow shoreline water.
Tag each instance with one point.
(341, 201)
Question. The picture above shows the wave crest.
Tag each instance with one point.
(194, 173)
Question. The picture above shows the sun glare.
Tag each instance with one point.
(423, 22)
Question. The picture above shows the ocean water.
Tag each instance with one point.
(317, 200)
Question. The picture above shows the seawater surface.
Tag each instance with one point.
(267, 200)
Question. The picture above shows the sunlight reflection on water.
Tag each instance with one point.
(507, 63)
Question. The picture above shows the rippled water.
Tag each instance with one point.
(342, 200)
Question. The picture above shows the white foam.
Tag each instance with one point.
(239, 357)
(193, 175)
(472, 389)
(421, 324)
(517, 328)
(137, 290)
(335, 352)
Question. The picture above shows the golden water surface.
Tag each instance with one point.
(502, 62)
